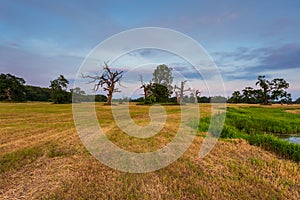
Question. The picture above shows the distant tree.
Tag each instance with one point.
(257, 96)
(265, 85)
(107, 81)
(12, 88)
(34, 93)
(194, 96)
(179, 92)
(278, 90)
(273, 90)
(287, 99)
(186, 98)
(100, 98)
(163, 75)
(59, 95)
(297, 101)
(77, 95)
(159, 93)
(218, 99)
(141, 99)
(193, 99)
(248, 93)
(197, 94)
(147, 89)
(236, 97)
(204, 99)
(94, 98)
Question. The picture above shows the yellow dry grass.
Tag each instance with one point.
(42, 157)
(294, 111)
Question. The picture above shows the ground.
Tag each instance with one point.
(42, 157)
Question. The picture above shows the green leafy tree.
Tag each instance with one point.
(159, 94)
(273, 90)
(236, 97)
(12, 88)
(204, 99)
(248, 93)
(94, 98)
(218, 99)
(265, 85)
(34, 93)
(100, 98)
(58, 87)
(278, 90)
(163, 75)
(251, 95)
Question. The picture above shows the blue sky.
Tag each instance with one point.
(40, 40)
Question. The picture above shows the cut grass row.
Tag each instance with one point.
(22, 157)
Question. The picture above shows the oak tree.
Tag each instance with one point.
(12, 88)
(273, 90)
(58, 87)
(107, 81)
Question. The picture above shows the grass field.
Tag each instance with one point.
(42, 157)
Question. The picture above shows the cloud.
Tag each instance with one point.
(34, 68)
(242, 66)
(261, 60)
(241, 53)
(285, 57)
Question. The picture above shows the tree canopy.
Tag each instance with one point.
(163, 75)
(269, 91)
(58, 87)
(12, 88)
(34, 93)
(273, 90)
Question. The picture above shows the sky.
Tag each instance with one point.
(39, 40)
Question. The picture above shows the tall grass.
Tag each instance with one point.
(263, 120)
(257, 125)
(280, 147)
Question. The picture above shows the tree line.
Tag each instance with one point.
(269, 92)
(13, 89)
(158, 90)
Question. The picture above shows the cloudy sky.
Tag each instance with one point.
(40, 40)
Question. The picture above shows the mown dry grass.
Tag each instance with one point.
(297, 111)
(42, 157)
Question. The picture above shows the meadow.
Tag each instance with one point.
(42, 157)
(259, 125)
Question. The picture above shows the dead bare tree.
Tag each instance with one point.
(146, 87)
(107, 81)
(195, 93)
(179, 91)
(177, 95)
